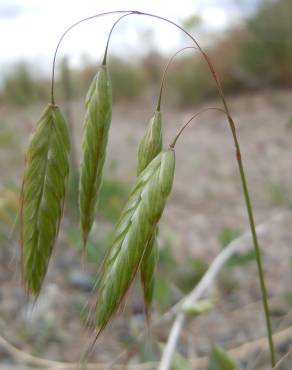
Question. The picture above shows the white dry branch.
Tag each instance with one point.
(29, 362)
(237, 245)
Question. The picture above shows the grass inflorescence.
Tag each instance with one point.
(43, 194)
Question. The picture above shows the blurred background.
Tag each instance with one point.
(250, 45)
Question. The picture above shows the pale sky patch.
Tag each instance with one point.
(30, 29)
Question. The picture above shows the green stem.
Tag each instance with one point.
(109, 36)
(173, 143)
(249, 211)
(65, 33)
(258, 259)
(249, 208)
(165, 73)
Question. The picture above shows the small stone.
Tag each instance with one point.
(81, 280)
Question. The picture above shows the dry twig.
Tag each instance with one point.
(205, 283)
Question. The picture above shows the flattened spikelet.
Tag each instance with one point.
(147, 272)
(96, 127)
(151, 143)
(43, 194)
(133, 231)
(150, 146)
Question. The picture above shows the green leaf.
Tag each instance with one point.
(148, 352)
(189, 274)
(226, 236)
(220, 360)
(241, 258)
(199, 308)
(178, 361)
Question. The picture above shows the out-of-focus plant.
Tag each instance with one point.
(266, 50)
(20, 86)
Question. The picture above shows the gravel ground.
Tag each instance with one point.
(206, 198)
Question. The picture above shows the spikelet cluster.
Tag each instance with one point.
(96, 127)
(149, 147)
(133, 232)
(43, 194)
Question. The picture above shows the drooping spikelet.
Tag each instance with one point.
(96, 127)
(133, 231)
(43, 194)
(151, 143)
(147, 272)
(149, 147)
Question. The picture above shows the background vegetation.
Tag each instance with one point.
(252, 56)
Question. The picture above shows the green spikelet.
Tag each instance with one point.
(96, 127)
(151, 143)
(133, 231)
(42, 195)
(147, 272)
(150, 146)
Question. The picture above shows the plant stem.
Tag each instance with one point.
(246, 195)
(258, 260)
(249, 208)
(251, 222)
(65, 33)
(165, 73)
(109, 36)
(173, 143)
